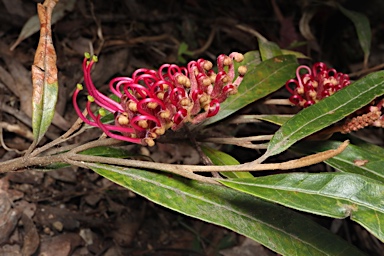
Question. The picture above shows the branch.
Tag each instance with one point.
(252, 166)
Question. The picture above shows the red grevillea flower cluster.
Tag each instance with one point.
(153, 101)
(319, 82)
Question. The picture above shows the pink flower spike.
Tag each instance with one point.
(119, 81)
(220, 62)
(318, 83)
(133, 87)
(291, 81)
(180, 116)
(299, 77)
(229, 89)
(196, 94)
(135, 122)
(296, 100)
(318, 68)
(173, 70)
(160, 86)
(214, 107)
(88, 106)
(77, 109)
(221, 79)
(100, 98)
(116, 136)
(176, 95)
(152, 101)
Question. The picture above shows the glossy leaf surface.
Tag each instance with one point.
(276, 119)
(280, 229)
(260, 80)
(336, 195)
(268, 49)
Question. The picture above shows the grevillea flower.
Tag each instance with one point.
(153, 101)
(318, 83)
(370, 115)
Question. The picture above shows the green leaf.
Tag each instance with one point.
(220, 158)
(101, 151)
(363, 29)
(353, 159)
(276, 119)
(268, 49)
(326, 112)
(280, 229)
(44, 110)
(260, 80)
(109, 152)
(298, 55)
(183, 49)
(336, 195)
(369, 147)
(44, 76)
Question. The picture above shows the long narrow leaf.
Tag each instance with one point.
(336, 195)
(363, 29)
(44, 75)
(327, 112)
(280, 229)
(260, 80)
(268, 49)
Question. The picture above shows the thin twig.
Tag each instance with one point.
(206, 160)
(252, 32)
(182, 170)
(2, 143)
(96, 143)
(15, 128)
(233, 140)
(284, 102)
(251, 118)
(207, 43)
(366, 70)
(183, 173)
(66, 136)
(23, 118)
(245, 142)
(252, 166)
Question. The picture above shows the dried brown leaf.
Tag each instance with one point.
(44, 74)
(44, 65)
(32, 25)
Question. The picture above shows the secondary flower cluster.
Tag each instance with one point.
(153, 101)
(368, 116)
(318, 83)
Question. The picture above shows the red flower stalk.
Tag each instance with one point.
(318, 83)
(152, 101)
